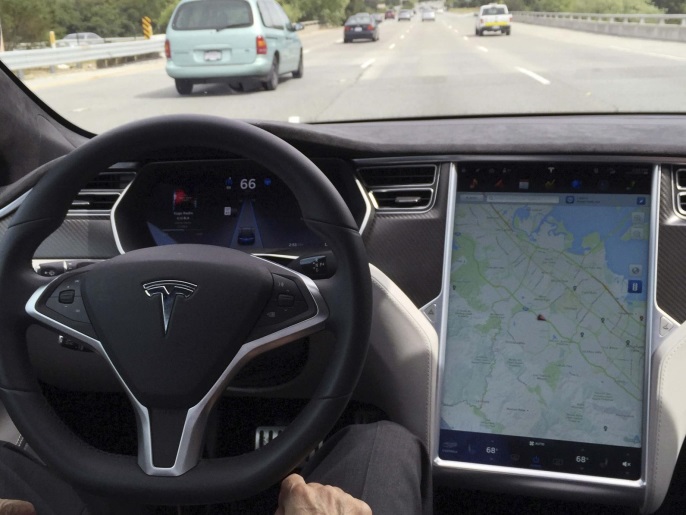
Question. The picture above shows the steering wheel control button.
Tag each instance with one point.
(285, 286)
(66, 300)
(285, 300)
(287, 304)
(66, 296)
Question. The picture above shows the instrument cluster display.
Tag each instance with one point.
(230, 204)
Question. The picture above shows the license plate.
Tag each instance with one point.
(358, 29)
(213, 55)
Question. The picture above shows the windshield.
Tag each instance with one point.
(298, 61)
(493, 10)
(359, 18)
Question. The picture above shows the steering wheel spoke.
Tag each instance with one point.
(170, 440)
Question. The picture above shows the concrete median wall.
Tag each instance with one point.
(615, 27)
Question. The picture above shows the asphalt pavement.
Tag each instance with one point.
(416, 69)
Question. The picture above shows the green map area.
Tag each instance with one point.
(546, 322)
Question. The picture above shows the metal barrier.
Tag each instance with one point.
(660, 19)
(18, 60)
(669, 27)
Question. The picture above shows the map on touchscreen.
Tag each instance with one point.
(546, 327)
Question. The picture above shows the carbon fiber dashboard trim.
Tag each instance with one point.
(408, 247)
(80, 238)
(671, 255)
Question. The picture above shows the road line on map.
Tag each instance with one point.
(307, 51)
(533, 75)
(339, 41)
(367, 64)
(392, 46)
(482, 48)
(465, 38)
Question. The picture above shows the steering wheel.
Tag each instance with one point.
(176, 323)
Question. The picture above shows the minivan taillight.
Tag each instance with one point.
(370, 27)
(261, 46)
(167, 49)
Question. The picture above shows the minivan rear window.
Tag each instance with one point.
(213, 14)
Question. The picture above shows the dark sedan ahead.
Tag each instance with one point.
(360, 26)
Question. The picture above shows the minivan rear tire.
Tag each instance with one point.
(272, 81)
(184, 86)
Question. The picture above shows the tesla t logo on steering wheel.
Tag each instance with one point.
(168, 290)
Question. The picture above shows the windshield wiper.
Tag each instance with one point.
(231, 26)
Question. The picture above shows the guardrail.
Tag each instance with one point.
(669, 27)
(19, 60)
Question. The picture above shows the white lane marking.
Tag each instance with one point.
(534, 76)
(402, 36)
(367, 64)
(652, 54)
(482, 48)
(450, 26)
(457, 31)
(307, 51)
(339, 41)
(293, 119)
(465, 38)
(392, 46)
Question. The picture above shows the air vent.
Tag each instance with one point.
(400, 187)
(402, 175)
(403, 198)
(680, 178)
(681, 203)
(99, 195)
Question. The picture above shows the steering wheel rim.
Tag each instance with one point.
(347, 295)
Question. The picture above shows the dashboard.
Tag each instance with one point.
(539, 276)
(528, 277)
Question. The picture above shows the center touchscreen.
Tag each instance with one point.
(544, 358)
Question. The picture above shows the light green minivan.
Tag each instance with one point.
(230, 41)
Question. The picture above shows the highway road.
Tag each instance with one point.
(416, 69)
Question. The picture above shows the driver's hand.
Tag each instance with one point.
(297, 497)
(12, 507)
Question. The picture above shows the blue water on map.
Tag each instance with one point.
(612, 225)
